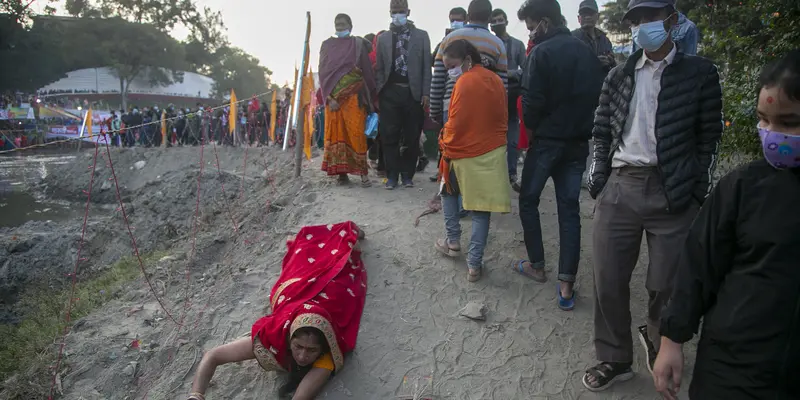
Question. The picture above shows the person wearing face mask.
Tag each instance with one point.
(515, 50)
(656, 138)
(685, 35)
(403, 77)
(740, 272)
(560, 90)
(492, 49)
(588, 15)
(458, 18)
(348, 88)
(473, 145)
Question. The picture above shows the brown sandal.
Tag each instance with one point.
(474, 275)
(448, 249)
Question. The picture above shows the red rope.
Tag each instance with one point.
(74, 274)
(130, 233)
(224, 194)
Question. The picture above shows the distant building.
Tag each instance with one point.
(100, 84)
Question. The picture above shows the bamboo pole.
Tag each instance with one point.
(300, 119)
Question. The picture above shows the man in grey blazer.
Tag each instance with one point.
(403, 78)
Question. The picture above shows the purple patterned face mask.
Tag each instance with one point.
(781, 151)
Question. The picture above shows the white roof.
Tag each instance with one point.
(101, 80)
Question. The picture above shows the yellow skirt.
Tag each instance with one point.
(483, 181)
(345, 142)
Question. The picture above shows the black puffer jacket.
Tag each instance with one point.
(688, 126)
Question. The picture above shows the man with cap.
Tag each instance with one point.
(597, 40)
(403, 79)
(656, 137)
(685, 35)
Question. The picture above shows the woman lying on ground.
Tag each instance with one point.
(473, 145)
(316, 311)
(743, 274)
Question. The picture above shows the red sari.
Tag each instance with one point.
(323, 285)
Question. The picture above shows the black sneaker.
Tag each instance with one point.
(649, 348)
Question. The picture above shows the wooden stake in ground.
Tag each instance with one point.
(300, 120)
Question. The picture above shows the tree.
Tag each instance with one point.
(20, 10)
(237, 70)
(138, 51)
(742, 36)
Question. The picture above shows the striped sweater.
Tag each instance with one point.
(493, 54)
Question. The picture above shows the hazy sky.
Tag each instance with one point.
(273, 30)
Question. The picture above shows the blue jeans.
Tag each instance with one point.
(513, 138)
(451, 208)
(564, 161)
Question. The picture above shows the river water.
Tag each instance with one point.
(19, 200)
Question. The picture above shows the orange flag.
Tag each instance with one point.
(273, 112)
(88, 123)
(164, 128)
(232, 120)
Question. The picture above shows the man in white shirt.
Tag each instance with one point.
(656, 135)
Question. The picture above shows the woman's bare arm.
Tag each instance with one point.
(239, 350)
(311, 384)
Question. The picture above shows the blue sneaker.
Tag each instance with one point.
(391, 184)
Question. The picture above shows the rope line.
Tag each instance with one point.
(74, 274)
(130, 233)
(91, 136)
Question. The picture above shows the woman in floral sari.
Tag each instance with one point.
(348, 89)
(316, 311)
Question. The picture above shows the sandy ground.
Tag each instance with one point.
(527, 348)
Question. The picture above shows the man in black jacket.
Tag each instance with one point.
(560, 91)
(656, 136)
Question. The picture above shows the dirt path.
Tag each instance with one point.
(527, 348)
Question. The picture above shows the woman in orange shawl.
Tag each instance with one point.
(316, 311)
(473, 146)
(348, 86)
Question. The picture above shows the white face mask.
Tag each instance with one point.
(455, 72)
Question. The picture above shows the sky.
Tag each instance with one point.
(273, 30)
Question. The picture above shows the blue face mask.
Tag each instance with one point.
(343, 34)
(650, 35)
(456, 25)
(399, 19)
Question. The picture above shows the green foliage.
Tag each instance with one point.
(742, 36)
(20, 11)
(131, 37)
(234, 69)
(28, 348)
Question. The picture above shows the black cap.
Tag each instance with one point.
(634, 4)
(588, 5)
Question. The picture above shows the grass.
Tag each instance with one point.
(29, 349)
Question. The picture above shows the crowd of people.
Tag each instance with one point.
(724, 253)
(201, 124)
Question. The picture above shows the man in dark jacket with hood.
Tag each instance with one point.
(560, 91)
(656, 137)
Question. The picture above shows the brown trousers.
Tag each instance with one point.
(633, 201)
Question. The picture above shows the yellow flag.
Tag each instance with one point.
(164, 128)
(232, 115)
(306, 107)
(273, 112)
(88, 123)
